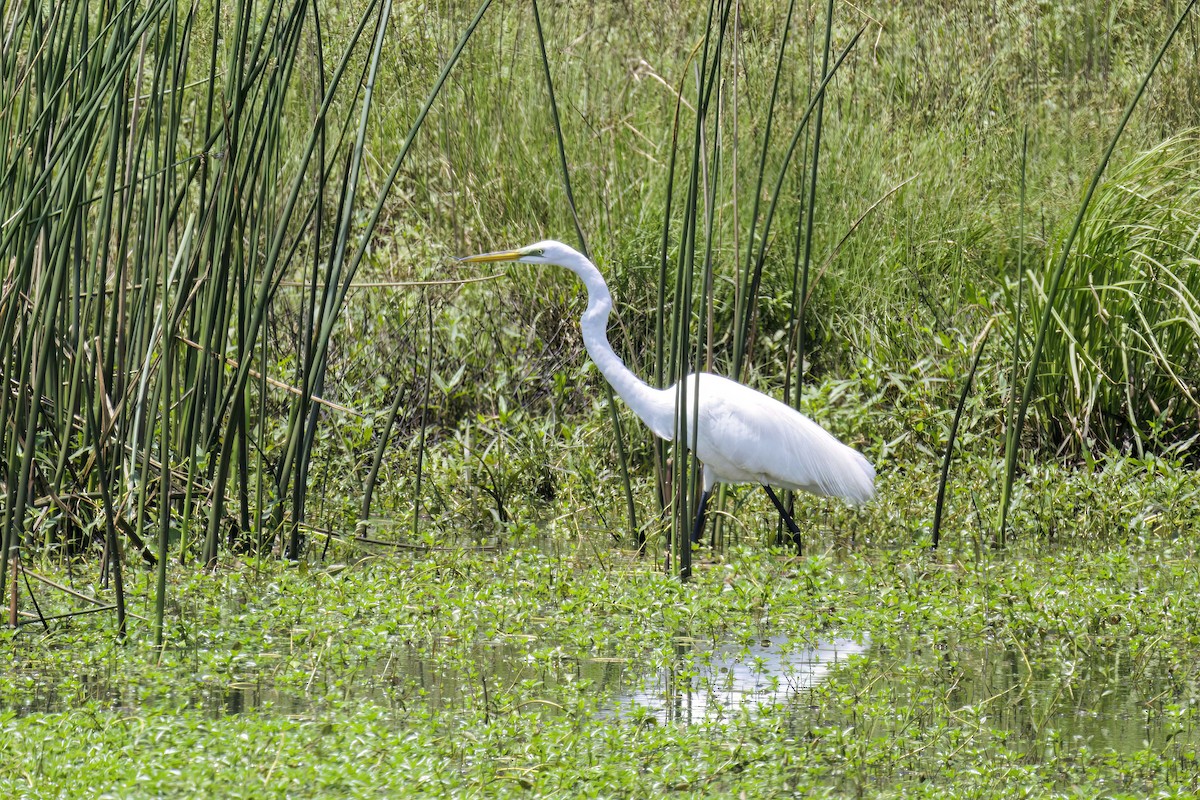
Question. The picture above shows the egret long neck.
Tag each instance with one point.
(654, 406)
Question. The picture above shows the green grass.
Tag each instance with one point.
(240, 219)
(507, 697)
(1121, 364)
(182, 212)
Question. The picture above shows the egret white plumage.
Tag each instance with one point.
(739, 434)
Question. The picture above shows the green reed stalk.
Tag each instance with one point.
(680, 548)
(165, 378)
(622, 458)
(1012, 438)
(661, 359)
(702, 354)
(810, 209)
(944, 479)
(809, 217)
(741, 307)
(112, 542)
(686, 464)
(759, 261)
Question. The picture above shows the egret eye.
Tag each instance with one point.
(537, 251)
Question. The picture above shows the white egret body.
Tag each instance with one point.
(740, 435)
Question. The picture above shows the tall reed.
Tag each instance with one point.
(155, 197)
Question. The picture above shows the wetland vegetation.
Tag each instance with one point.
(295, 505)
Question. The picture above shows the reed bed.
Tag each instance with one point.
(234, 331)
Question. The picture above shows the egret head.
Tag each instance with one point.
(547, 252)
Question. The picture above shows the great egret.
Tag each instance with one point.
(740, 435)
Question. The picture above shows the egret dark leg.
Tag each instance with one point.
(699, 528)
(787, 518)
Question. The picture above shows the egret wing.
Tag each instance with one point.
(745, 436)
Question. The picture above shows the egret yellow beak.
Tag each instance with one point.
(499, 255)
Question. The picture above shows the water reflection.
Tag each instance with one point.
(1044, 697)
(700, 685)
(1049, 696)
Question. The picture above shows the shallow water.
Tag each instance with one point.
(1041, 699)
(715, 683)
(1104, 699)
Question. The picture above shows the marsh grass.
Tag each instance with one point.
(1120, 358)
(214, 230)
(456, 668)
(234, 332)
(145, 243)
(1049, 290)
